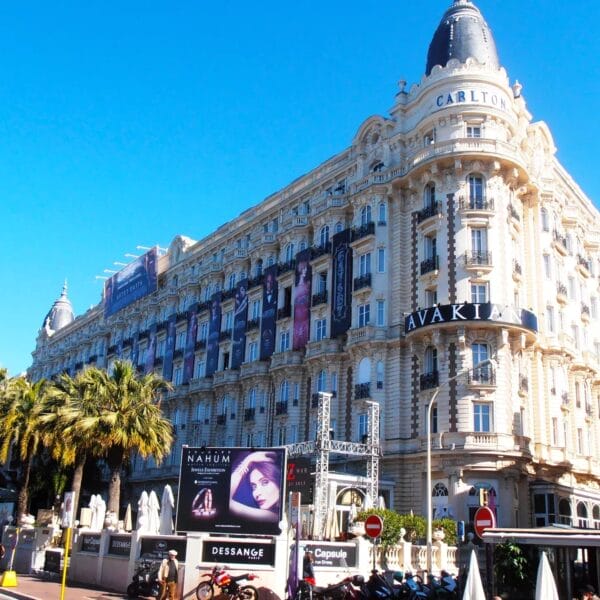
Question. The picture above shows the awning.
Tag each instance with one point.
(544, 536)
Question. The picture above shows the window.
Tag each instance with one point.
(380, 370)
(365, 214)
(481, 417)
(382, 213)
(579, 440)
(284, 391)
(550, 319)
(429, 199)
(200, 368)
(479, 293)
(431, 297)
(281, 436)
(324, 236)
(475, 191)
(364, 312)
(321, 282)
(430, 242)
(320, 329)
(547, 266)
(231, 281)
(249, 440)
(252, 351)
(322, 381)
(364, 264)
(284, 340)
(251, 401)
(380, 313)
(429, 138)
(177, 375)
(434, 418)
(259, 268)
(473, 131)
(479, 352)
(363, 426)
(339, 227)
(479, 244)
(160, 348)
(289, 253)
(554, 431)
(256, 309)
(228, 320)
(431, 359)
(270, 261)
(381, 260)
(293, 434)
(545, 220)
(180, 340)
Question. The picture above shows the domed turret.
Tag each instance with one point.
(60, 314)
(461, 34)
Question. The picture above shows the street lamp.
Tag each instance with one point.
(483, 363)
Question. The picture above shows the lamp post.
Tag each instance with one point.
(483, 363)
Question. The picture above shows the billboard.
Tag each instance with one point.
(189, 354)
(131, 283)
(214, 332)
(302, 298)
(269, 313)
(240, 320)
(231, 490)
(170, 347)
(341, 288)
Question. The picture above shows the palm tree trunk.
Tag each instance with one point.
(23, 498)
(76, 483)
(114, 490)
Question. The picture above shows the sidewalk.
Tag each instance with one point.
(45, 587)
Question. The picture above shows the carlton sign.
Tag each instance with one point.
(455, 313)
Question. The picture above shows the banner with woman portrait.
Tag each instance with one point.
(189, 353)
(269, 313)
(341, 287)
(302, 298)
(214, 331)
(240, 320)
(231, 490)
(170, 347)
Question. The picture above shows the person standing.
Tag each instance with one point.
(168, 575)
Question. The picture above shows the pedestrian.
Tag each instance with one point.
(168, 575)
(588, 593)
(308, 570)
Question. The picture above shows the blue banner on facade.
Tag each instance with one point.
(170, 348)
(214, 332)
(341, 288)
(269, 313)
(189, 355)
(135, 349)
(131, 283)
(240, 321)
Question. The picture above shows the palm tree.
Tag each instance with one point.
(20, 405)
(129, 419)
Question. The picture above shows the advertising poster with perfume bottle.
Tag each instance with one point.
(231, 490)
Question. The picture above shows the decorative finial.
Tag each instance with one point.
(517, 87)
(64, 290)
(402, 85)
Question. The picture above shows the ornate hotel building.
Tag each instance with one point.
(445, 235)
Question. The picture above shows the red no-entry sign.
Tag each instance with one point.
(484, 519)
(373, 526)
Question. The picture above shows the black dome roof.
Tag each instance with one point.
(462, 33)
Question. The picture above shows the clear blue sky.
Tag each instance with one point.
(126, 123)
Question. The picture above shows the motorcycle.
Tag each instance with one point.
(227, 584)
(349, 588)
(145, 581)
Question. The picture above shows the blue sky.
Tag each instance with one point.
(127, 123)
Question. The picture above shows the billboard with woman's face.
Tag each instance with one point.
(231, 490)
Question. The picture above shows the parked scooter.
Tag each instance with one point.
(145, 581)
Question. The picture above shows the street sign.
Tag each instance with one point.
(373, 526)
(484, 519)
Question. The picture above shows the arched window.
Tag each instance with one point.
(582, 515)
(365, 214)
(270, 261)
(231, 281)
(324, 236)
(364, 371)
(382, 213)
(284, 391)
(596, 516)
(564, 511)
(339, 227)
(259, 267)
(302, 245)
(439, 489)
(289, 253)
(322, 381)
(429, 199)
(377, 167)
(476, 191)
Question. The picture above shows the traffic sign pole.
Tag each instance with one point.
(373, 529)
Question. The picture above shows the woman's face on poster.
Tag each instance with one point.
(264, 491)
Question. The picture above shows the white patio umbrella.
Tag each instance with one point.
(142, 515)
(153, 513)
(127, 526)
(381, 502)
(473, 586)
(166, 514)
(93, 505)
(100, 513)
(545, 586)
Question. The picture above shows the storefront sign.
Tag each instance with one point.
(90, 543)
(52, 560)
(335, 555)
(254, 553)
(119, 545)
(156, 548)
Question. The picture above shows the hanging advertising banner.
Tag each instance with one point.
(189, 354)
(135, 349)
(240, 321)
(170, 347)
(150, 350)
(341, 288)
(302, 298)
(231, 490)
(300, 477)
(214, 332)
(136, 280)
(269, 313)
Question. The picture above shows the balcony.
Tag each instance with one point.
(585, 312)
(249, 414)
(358, 233)
(361, 282)
(228, 294)
(559, 242)
(256, 367)
(584, 265)
(285, 267)
(200, 384)
(362, 391)
(478, 259)
(320, 298)
(561, 293)
(256, 281)
(322, 250)
(284, 312)
(215, 266)
(512, 211)
(517, 270)
(430, 265)
(281, 408)
(178, 353)
(433, 210)
(523, 384)
(325, 346)
(202, 307)
(225, 335)
(221, 419)
(430, 380)
(253, 324)
(289, 358)
(200, 345)
(476, 205)
(368, 333)
(181, 316)
(483, 376)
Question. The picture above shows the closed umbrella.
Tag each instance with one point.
(473, 586)
(153, 513)
(94, 509)
(545, 586)
(142, 515)
(127, 526)
(101, 513)
(166, 514)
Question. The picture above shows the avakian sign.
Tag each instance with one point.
(455, 313)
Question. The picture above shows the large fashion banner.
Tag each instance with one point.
(231, 490)
(341, 292)
(240, 320)
(302, 297)
(189, 353)
(135, 349)
(170, 347)
(150, 350)
(214, 331)
(269, 313)
(131, 283)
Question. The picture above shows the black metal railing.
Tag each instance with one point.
(316, 251)
(362, 390)
(362, 281)
(512, 211)
(253, 324)
(249, 414)
(178, 353)
(429, 380)
(523, 383)
(256, 281)
(200, 344)
(561, 289)
(225, 335)
(281, 408)
(476, 204)
(320, 298)
(221, 419)
(478, 257)
(290, 265)
(363, 231)
(429, 211)
(284, 312)
(482, 376)
(430, 264)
